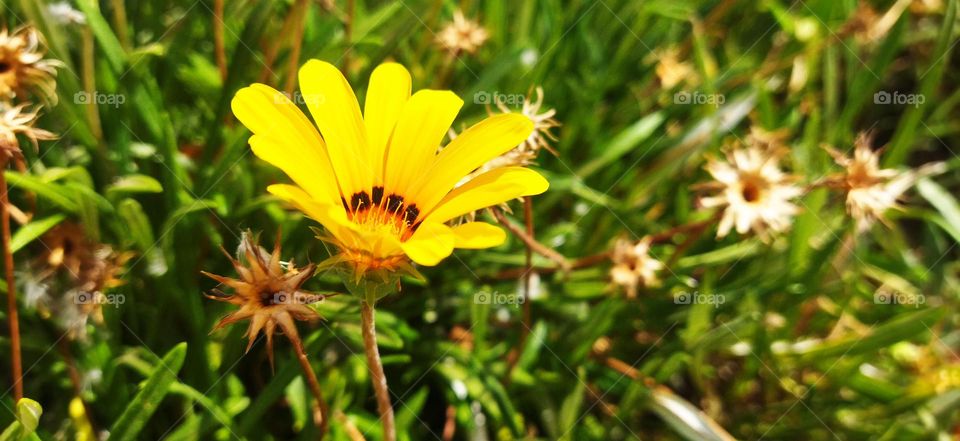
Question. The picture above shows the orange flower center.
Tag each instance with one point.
(388, 213)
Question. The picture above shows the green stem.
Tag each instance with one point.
(377, 377)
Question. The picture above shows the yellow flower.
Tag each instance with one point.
(377, 182)
(672, 70)
(22, 65)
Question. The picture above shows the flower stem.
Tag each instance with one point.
(348, 36)
(219, 48)
(530, 241)
(527, 319)
(321, 418)
(302, 8)
(12, 314)
(377, 377)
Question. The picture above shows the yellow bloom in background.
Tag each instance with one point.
(753, 191)
(376, 180)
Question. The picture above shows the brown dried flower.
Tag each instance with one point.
(633, 266)
(18, 120)
(462, 35)
(268, 294)
(23, 67)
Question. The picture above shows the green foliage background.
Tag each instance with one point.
(798, 350)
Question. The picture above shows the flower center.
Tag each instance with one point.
(389, 212)
(751, 190)
(269, 297)
(4, 67)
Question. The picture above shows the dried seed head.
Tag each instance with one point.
(18, 120)
(754, 192)
(633, 266)
(23, 67)
(462, 35)
(268, 294)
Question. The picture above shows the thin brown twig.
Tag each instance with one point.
(321, 418)
(12, 314)
(527, 318)
(120, 23)
(218, 44)
(74, 374)
(530, 241)
(667, 235)
(377, 376)
(270, 52)
(601, 257)
(352, 431)
(450, 425)
(88, 72)
(301, 9)
(348, 35)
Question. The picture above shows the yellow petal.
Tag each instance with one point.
(477, 235)
(331, 216)
(484, 141)
(301, 171)
(335, 110)
(387, 93)
(424, 122)
(430, 244)
(285, 138)
(491, 188)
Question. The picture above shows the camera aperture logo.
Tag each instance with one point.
(696, 97)
(495, 97)
(885, 297)
(285, 298)
(110, 99)
(908, 99)
(99, 298)
(497, 298)
(698, 298)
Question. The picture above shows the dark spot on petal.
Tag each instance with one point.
(410, 215)
(4, 67)
(377, 195)
(394, 203)
(344, 202)
(360, 201)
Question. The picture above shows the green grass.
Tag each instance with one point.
(799, 349)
